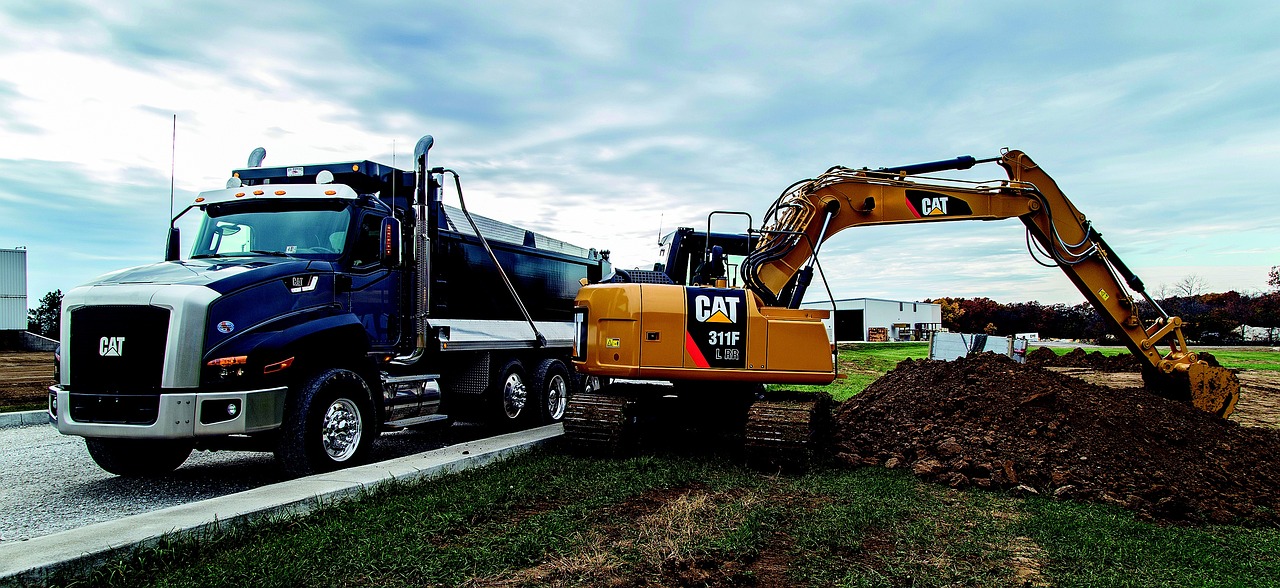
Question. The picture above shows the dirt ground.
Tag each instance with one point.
(1259, 389)
(25, 378)
(1072, 432)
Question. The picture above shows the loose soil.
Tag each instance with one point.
(989, 422)
(25, 378)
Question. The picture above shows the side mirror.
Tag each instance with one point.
(172, 246)
(390, 242)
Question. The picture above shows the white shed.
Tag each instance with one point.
(13, 289)
(874, 319)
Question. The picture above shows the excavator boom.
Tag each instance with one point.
(810, 212)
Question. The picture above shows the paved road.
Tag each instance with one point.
(48, 482)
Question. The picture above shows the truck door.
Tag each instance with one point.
(374, 295)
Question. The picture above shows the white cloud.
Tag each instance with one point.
(597, 124)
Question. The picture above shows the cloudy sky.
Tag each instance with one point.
(603, 123)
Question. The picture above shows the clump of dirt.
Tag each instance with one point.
(987, 421)
(1045, 357)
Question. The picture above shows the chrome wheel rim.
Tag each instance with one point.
(514, 395)
(557, 397)
(341, 429)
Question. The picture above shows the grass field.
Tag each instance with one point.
(553, 519)
(548, 519)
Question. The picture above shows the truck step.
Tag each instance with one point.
(422, 420)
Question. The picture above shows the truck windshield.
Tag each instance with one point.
(310, 229)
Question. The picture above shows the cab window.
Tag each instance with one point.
(365, 252)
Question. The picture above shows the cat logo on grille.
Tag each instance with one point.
(111, 346)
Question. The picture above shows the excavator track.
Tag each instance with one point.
(785, 430)
(598, 423)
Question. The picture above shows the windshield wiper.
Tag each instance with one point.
(278, 253)
(206, 255)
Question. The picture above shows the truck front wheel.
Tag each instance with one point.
(330, 424)
(138, 457)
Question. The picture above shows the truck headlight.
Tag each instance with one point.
(228, 367)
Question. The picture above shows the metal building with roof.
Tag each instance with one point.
(13, 289)
(874, 319)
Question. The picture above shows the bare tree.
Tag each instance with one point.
(1273, 277)
(1192, 285)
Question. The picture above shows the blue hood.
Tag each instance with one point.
(222, 274)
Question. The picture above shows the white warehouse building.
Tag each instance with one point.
(873, 319)
(13, 289)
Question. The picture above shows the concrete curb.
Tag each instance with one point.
(22, 419)
(31, 561)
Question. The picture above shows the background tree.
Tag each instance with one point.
(1192, 285)
(46, 319)
(951, 311)
(1273, 278)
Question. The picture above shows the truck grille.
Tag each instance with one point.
(117, 350)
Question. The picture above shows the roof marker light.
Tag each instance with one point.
(279, 192)
(239, 194)
(199, 199)
(330, 192)
(257, 192)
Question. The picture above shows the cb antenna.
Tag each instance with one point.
(660, 228)
(173, 154)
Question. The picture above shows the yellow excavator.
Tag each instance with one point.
(718, 343)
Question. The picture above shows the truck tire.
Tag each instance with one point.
(551, 390)
(510, 396)
(138, 457)
(328, 425)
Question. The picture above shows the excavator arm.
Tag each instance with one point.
(810, 212)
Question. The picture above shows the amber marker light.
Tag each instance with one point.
(257, 192)
(278, 366)
(279, 192)
(199, 200)
(330, 192)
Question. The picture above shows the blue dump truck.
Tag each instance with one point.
(319, 305)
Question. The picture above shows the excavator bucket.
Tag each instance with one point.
(1207, 387)
(1213, 389)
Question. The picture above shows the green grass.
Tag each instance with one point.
(552, 519)
(1244, 360)
(860, 364)
(1248, 360)
(26, 406)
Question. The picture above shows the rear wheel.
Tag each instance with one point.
(510, 395)
(138, 457)
(551, 390)
(330, 424)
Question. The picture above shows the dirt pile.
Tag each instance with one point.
(1045, 357)
(987, 421)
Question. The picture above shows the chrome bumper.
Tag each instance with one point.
(181, 416)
